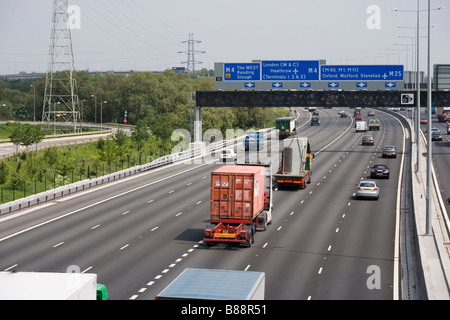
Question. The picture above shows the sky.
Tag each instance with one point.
(147, 35)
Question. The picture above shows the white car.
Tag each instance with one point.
(227, 155)
(367, 189)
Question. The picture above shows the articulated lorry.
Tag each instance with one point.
(241, 204)
(443, 114)
(285, 126)
(215, 284)
(295, 164)
(50, 286)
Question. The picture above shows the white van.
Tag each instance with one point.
(361, 126)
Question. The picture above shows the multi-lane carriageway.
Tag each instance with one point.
(140, 233)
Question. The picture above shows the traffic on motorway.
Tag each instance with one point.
(316, 232)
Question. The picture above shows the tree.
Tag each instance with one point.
(120, 139)
(3, 172)
(140, 136)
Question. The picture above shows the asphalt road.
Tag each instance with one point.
(140, 233)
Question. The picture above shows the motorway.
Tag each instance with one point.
(140, 233)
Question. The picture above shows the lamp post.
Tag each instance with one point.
(101, 114)
(34, 107)
(417, 123)
(95, 112)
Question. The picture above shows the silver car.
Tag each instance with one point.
(367, 189)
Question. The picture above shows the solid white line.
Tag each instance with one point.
(97, 203)
(13, 266)
(87, 269)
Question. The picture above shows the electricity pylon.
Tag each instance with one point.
(61, 103)
(191, 52)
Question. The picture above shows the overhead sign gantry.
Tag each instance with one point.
(306, 75)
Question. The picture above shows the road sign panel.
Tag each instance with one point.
(290, 70)
(361, 84)
(361, 72)
(277, 84)
(242, 71)
(390, 84)
(333, 84)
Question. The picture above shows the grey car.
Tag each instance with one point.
(436, 135)
(389, 151)
(367, 189)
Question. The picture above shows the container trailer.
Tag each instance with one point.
(241, 203)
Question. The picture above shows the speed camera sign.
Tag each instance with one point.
(407, 98)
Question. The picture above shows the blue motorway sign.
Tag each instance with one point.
(290, 70)
(361, 73)
(242, 71)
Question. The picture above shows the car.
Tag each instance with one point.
(358, 117)
(424, 120)
(367, 140)
(389, 151)
(315, 122)
(448, 127)
(367, 189)
(379, 171)
(436, 135)
(343, 115)
(371, 113)
(227, 155)
(315, 112)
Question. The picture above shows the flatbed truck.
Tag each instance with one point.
(241, 204)
(295, 164)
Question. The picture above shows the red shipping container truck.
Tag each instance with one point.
(240, 203)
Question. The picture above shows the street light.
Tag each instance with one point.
(417, 123)
(95, 113)
(34, 108)
(101, 114)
